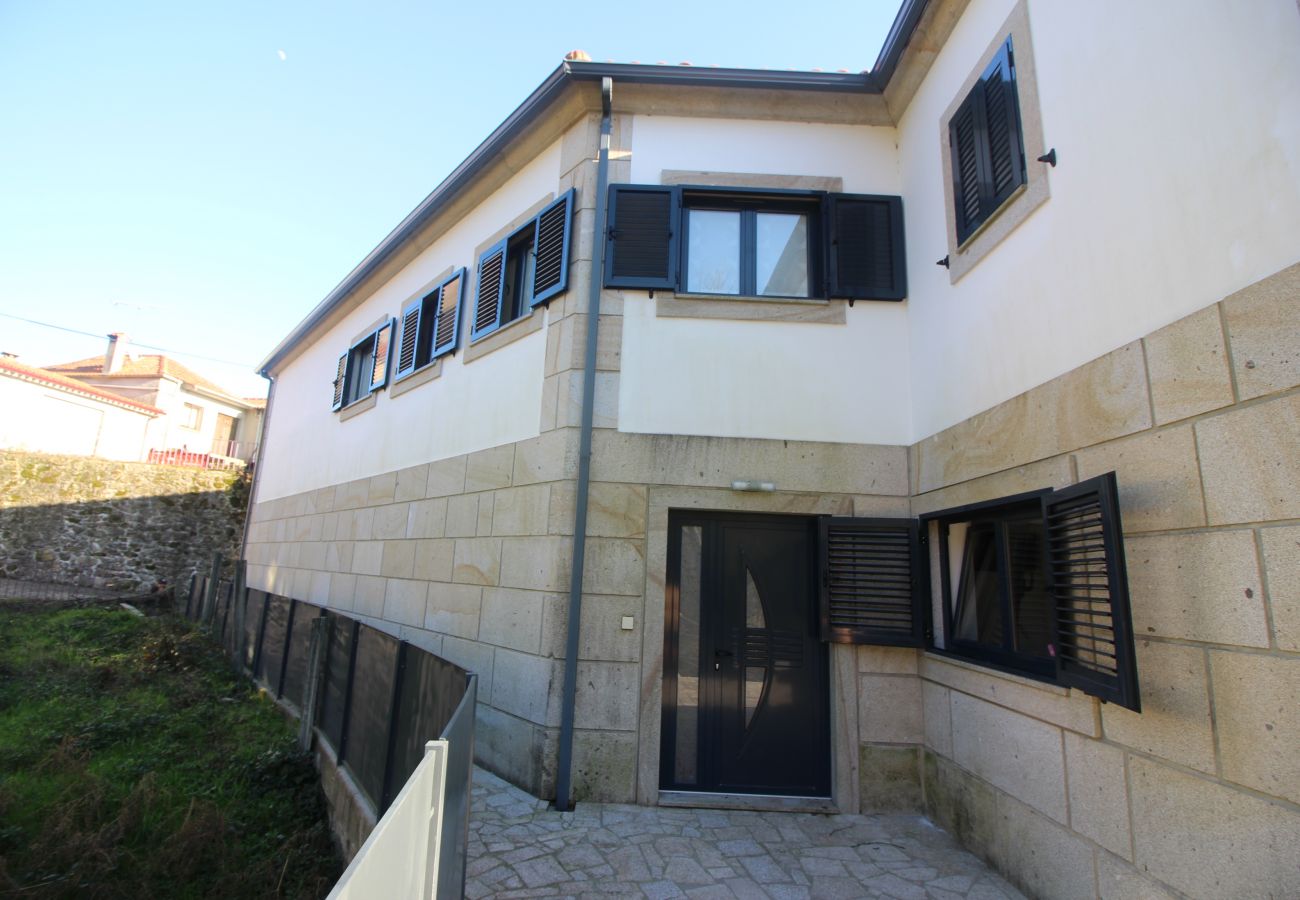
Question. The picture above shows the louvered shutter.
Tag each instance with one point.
(491, 284)
(551, 249)
(446, 331)
(1002, 129)
(340, 382)
(865, 258)
(406, 346)
(964, 148)
(1093, 633)
(383, 339)
(641, 243)
(871, 588)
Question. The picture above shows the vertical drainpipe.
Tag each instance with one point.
(257, 464)
(563, 781)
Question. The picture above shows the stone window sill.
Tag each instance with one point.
(357, 408)
(756, 309)
(420, 376)
(506, 334)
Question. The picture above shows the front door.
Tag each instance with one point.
(746, 690)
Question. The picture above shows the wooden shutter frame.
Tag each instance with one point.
(672, 249)
(449, 346)
(1122, 687)
(341, 381)
(833, 248)
(411, 329)
(477, 331)
(567, 201)
(914, 634)
(379, 369)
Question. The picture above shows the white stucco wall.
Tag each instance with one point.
(781, 380)
(493, 400)
(48, 420)
(1178, 134)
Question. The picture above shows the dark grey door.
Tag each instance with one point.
(746, 690)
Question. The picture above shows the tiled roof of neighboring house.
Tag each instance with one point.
(54, 379)
(148, 366)
(256, 402)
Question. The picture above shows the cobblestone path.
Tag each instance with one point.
(519, 848)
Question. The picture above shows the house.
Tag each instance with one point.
(659, 415)
(47, 412)
(201, 416)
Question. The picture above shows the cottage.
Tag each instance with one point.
(659, 415)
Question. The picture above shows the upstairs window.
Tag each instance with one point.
(985, 145)
(430, 325)
(364, 368)
(755, 243)
(524, 270)
(192, 417)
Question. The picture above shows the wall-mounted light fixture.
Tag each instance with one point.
(742, 484)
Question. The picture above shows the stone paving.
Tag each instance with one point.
(520, 848)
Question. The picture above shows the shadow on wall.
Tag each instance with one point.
(125, 526)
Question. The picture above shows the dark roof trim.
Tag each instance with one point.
(550, 89)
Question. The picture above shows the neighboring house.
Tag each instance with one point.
(201, 417)
(851, 535)
(47, 412)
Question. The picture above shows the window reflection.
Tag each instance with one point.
(782, 257)
(713, 252)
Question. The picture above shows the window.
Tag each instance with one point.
(364, 368)
(755, 243)
(1033, 584)
(984, 142)
(524, 270)
(193, 417)
(430, 325)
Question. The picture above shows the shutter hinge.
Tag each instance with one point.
(612, 233)
(943, 262)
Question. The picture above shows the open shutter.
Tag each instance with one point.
(410, 335)
(383, 339)
(551, 249)
(1006, 157)
(641, 244)
(1093, 634)
(340, 381)
(871, 589)
(491, 285)
(446, 331)
(964, 148)
(865, 260)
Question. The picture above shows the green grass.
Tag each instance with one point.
(133, 763)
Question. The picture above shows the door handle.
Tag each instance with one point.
(720, 654)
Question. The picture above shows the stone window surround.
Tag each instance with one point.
(521, 327)
(433, 368)
(359, 406)
(670, 304)
(1035, 191)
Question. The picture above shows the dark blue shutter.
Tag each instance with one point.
(964, 148)
(551, 249)
(491, 285)
(340, 381)
(1088, 578)
(872, 581)
(446, 329)
(865, 258)
(406, 347)
(641, 244)
(383, 339)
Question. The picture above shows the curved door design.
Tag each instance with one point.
(746, 690)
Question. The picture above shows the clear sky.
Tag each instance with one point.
(199, 176)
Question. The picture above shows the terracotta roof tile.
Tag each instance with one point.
(147, 366)
(59, 380)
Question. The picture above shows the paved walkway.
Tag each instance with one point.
(519, 848)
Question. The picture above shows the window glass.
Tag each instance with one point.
(361, 366)
(1027, 583)
(686, 753)
(979, 613)
(782, 254)
(713, 252)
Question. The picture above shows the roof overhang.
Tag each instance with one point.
(877, 97)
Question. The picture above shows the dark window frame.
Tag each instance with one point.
(749, 203)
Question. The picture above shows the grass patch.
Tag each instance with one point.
(133, 763)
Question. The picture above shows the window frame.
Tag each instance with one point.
(427, 310)
(193, 417)
(362, 355)
(749, 203)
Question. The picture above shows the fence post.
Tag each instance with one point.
(210, 600)
(240, 602)
(320, 641)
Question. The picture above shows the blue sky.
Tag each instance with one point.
(164, 172)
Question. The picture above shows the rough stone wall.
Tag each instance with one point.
(100, 523)
(1199, 795)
